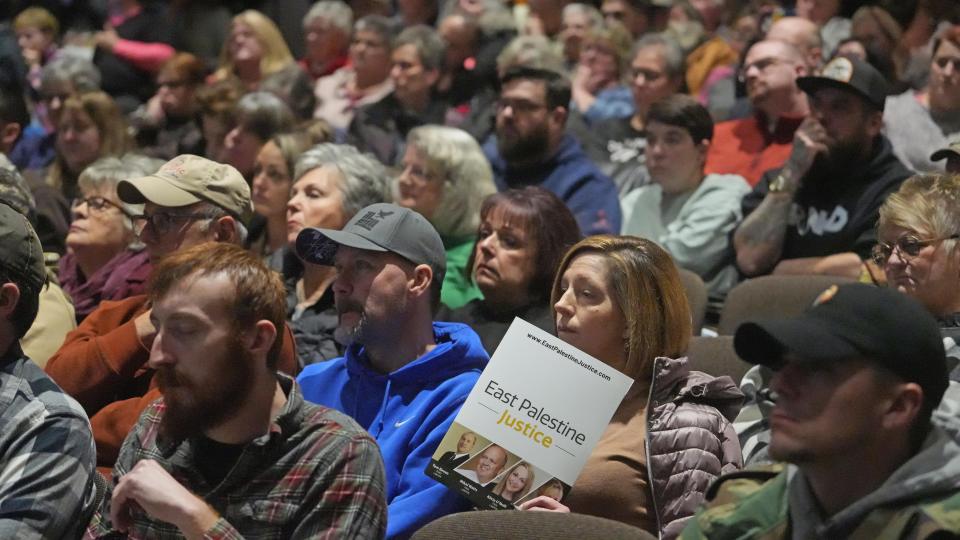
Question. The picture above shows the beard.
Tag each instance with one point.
(516, 147)
(841, 157)
(195, 406)
(346, 334)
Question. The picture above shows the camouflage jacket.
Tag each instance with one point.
(921, 500)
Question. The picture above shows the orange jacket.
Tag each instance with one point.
(103, 365)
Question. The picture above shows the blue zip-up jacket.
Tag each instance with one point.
(408, 412)
(570, 175)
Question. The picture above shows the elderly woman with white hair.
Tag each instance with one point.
(332, 182)
(105, 259)
(326, 30)
(446, 178)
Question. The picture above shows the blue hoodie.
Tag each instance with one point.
(408, 412)
(570, 175)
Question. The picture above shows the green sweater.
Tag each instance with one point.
(457, 290)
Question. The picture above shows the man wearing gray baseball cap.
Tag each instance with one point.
(403, 377)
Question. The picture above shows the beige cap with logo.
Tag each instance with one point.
(189, 179)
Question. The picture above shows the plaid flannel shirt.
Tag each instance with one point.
(316, 474)
(47, 455)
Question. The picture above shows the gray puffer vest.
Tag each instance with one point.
(690, 439)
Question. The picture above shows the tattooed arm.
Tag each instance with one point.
(759, 239)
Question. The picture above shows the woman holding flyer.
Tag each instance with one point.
(620, 299)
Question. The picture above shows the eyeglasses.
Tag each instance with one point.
(519, 106)
(96, 204)
(945, 61)
(762, 65)
(162, 222)
(908, 245)
(173, 85)
(648, 75)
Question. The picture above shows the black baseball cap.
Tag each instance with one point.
(852, 75)
(379, 227)
(879, 324)
(21, 256)
(952, 150)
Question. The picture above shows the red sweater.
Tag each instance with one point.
(745, 147)
(103, 365)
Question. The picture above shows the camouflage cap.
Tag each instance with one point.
(189, 179)
(21, 256)
(952, 150)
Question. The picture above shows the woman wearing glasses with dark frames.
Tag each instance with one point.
(919, 249)
(105, 260)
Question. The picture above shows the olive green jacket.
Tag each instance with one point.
(920, 500)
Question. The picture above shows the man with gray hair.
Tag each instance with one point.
(381, 128)
(103, 363)
(326, 29)
(578, 21)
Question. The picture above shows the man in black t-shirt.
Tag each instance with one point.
(816, 215)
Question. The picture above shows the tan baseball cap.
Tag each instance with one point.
(944, 153)
(189, 179)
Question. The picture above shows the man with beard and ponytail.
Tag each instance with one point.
(232, 449)
(402, 377)
(816, 215)
(103, 363)
(531, 148)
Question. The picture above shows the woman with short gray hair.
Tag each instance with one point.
(332, 182)
(106, 260)
(446, 178)
(326, 30)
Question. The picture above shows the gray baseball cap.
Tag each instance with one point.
(380, 227)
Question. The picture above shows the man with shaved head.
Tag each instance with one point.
(802, 34)
(750, 146)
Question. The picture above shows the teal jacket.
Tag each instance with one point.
(920, 500)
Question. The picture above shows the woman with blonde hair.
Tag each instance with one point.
(515, 483)
(254, 49)
(446, 178)
(620, 300)
(918, 245)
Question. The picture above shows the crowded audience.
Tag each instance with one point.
(268, 248)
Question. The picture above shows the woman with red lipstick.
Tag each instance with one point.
(105, 260)
(332, 182)
(523, 234)
(620, 299)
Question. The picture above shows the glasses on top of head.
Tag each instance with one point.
(162, 222)
(96, 204)
(907, 244)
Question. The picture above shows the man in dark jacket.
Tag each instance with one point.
(816, 215)
(531, 148)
